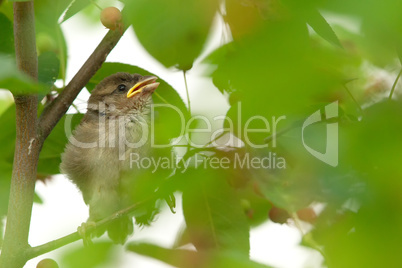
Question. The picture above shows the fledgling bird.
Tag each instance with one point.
(97, 157)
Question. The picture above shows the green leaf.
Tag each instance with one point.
(48, 68)
(214, 217)
(75, 7)
(7, 135)
(49, 35)
(379, 127)
(187, 258)
(88, 257)
(276, 73)
(7, 9)
(15, 81)
(174, 32)
(37, 199)
(6, 35)
(380, 25)
(254, 206)
(5, 178)
(42, 8)
(5, 103)
(182, 238)
(1, 231)
(362, 193)
(399, 51)
(321, 27)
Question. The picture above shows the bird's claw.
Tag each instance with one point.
(83, 232)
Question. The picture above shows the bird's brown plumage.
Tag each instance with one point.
(97, 156)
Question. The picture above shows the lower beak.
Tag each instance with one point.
(146, 85)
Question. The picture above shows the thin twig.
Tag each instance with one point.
(58, 243)
(75, 107)
(96, 4)
(307, 238)
(353, 98)
(394, 85)
(295, 125)
(206, 144)
(189, 109)
(160, 97)
(188, 94)
(216, 138)
(283, 131)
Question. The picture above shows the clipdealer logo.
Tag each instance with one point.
(113, 134)
(330, 156)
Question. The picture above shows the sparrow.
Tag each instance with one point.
(97, 157)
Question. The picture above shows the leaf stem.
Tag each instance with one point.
(160, 97)
(394, 85)
(188, 94)
(189, 109)
(353, 98)
(96, 4)
(216, 138)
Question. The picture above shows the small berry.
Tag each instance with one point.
(46, 43)
(47, 263)
(185, 66)
(278, 215)
(111, 18)
(307, 215)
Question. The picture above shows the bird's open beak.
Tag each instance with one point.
(148, 84)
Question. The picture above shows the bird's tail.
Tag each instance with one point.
(119, 230)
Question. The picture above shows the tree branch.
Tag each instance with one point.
(27, 146)
(58, 107)
(58, 243)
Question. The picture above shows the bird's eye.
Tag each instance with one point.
(121, 88)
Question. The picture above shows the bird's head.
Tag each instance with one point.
(121, 94)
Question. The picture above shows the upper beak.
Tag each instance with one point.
(148, 84)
